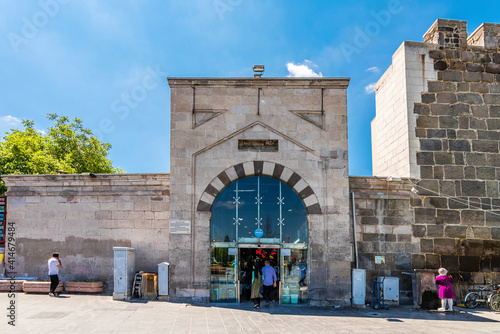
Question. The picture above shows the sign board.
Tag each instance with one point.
(258, 232)
(285, 252)
(379, 259)
(232, 251)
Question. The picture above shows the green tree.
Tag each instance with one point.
(67, 146)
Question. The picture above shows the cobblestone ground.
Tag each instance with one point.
(100, 314)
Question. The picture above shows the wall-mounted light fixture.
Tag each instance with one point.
(258, 70)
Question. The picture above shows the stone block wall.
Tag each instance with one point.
(394, 143)
(384, 225)
(84, 217)
(457, 213)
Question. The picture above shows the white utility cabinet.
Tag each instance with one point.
(358, 286)
(391, 289)
(163, 278)
(124, 271)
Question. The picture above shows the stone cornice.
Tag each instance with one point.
(87, 185)
(374, 187)
(320, 82)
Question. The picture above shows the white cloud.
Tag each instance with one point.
(373, 69)
(10, 120)
(105, 18)
(7, 123)
(303, 70)
(370, 88)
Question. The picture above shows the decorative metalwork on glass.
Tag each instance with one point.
(236, 202)
(281, 202)
(275, 208)
(259, 202)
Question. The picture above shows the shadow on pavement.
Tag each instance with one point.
(393, 314)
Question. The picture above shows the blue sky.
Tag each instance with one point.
(106, 61)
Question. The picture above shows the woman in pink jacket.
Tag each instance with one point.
(446, 292)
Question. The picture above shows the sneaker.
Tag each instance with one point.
(56, 294)
(441, 309)
(51, 294)
(268, 303)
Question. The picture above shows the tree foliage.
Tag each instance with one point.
(67, 146)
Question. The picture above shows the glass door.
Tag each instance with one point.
(295, 276)
(259, 216)
(224, 284)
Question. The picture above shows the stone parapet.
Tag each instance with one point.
(260, 82)
(450, 34)
(487, 35)
(87, 184)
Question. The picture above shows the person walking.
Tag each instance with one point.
(255, 294)
(247, 280)
(446, 292)
(303, 274)
(269, 282)
(54, 264)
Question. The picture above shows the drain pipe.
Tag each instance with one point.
(354, 229)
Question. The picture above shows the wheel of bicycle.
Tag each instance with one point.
(495, 302)
(471, 300)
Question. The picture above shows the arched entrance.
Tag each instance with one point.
(257, 218)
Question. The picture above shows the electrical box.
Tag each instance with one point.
(358, 286)
(390, 289)
(124, 272)
(163, 278)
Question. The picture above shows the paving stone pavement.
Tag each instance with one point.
(100, 314)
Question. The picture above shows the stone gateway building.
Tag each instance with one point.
(259, 154)
(259, 170)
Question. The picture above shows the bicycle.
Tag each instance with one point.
(495, 300)
(474, 298)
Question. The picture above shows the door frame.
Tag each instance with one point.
(257, 246)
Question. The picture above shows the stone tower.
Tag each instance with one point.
(453, 134)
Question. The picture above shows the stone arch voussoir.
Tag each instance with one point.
(266, 168)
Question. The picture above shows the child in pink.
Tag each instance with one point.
(446, 292)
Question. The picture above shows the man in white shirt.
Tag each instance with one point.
(54, 265)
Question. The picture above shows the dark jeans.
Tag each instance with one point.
(267, 292)
(54, 281)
